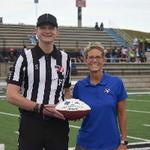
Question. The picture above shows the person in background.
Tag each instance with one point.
(105, 127)
(101, 28)
(73, 67)
(33, 39)
(96, 26)
(39, 80)
(82, 54)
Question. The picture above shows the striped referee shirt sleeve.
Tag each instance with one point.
(17, 74)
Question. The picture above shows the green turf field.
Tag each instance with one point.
(138, 109)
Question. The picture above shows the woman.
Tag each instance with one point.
(105, 127)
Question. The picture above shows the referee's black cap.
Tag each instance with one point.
(47, 19)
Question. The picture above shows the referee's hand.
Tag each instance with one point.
(49, 110)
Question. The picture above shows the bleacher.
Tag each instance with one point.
(135, 76)
(15, 36)
(75, 37)
(70, 38)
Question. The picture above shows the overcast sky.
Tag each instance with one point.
(127, 14)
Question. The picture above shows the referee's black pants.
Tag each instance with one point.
(38, 133)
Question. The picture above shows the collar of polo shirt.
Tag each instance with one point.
(102, 82)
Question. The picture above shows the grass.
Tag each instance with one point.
(137, 34)
(136, 120)
(137, 132)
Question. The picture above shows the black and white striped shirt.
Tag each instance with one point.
(42, 77)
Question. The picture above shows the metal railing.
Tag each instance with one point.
(124, 35)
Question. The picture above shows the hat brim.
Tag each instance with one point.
(46, 23)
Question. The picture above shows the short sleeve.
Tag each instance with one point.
(17, 72)
(121, 91)
(75, 91)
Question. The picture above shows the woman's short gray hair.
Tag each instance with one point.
(92, 45)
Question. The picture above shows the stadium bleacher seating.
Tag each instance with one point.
(70, 38)
(135, 76)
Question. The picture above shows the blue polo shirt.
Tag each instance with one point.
(99, 130)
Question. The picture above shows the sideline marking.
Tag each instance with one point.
(145, 148)
(147, 101)
(72, 126)
(146, 125)
(138, 93)
(139, 143)
(17, 132)
(9, 114)
(137, 138)
(137, 111)
(2, 147)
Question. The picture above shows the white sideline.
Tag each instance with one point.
(133, 100)
(136, 111)
(146, 125)
(71, 148)
(141, 148)
(2, 147)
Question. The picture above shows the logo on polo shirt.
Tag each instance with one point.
(106, 90)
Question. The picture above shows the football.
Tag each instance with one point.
(73, 109)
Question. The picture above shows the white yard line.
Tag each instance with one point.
(2, 147)
(9, 114)
(137, 111)
(16, 132)
(146, 125)
(71, 148)
(147, 101)
(138, 93)
(72, 126)
(148, 148)
(137, 138)
(134, 143)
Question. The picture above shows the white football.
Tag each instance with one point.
(73, 109)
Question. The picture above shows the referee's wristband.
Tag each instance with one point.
(41, 108)
(38, 108)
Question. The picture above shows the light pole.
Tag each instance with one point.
(79, 17)
(79, 5)
(36, 8)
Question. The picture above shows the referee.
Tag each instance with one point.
(39, 80)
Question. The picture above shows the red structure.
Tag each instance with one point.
(79, 5)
